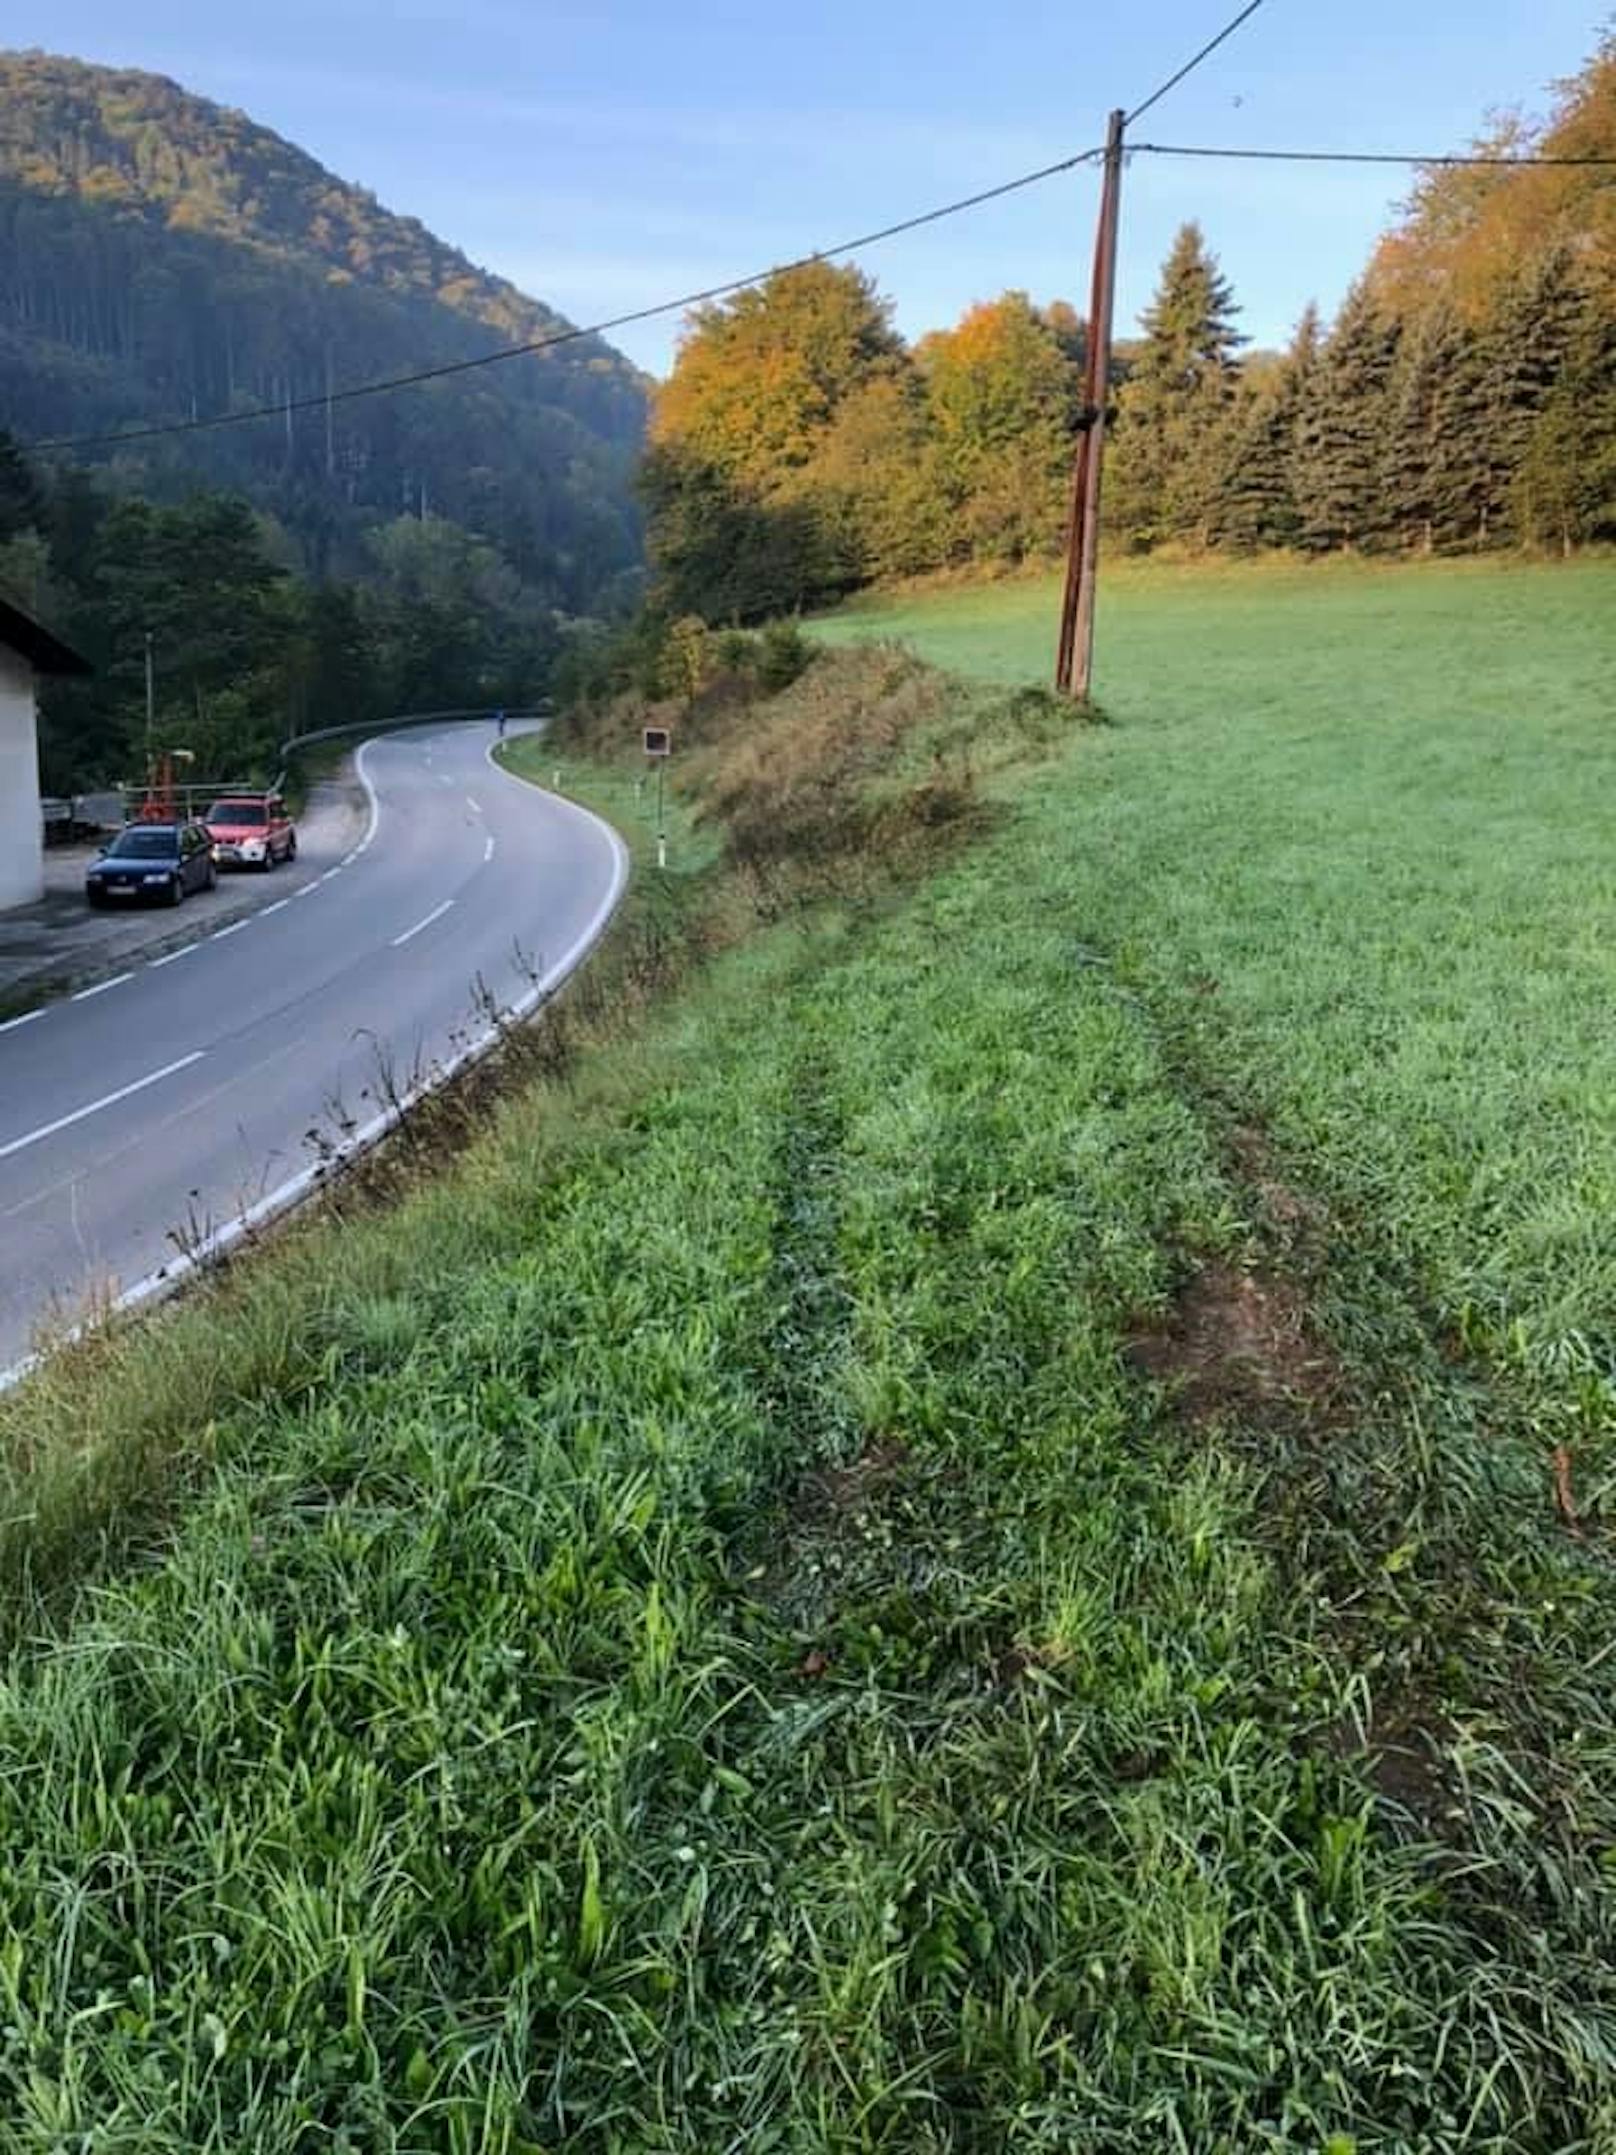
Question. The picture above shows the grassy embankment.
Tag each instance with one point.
(953, 1546)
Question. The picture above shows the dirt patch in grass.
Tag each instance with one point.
(1237, 1342)
(828, 1496)
(1402, 1754)
(1284, 1207)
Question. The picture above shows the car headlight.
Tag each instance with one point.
(154, 878)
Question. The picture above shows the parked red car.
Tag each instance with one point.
(251, 830)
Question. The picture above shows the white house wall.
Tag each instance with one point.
(22, 876)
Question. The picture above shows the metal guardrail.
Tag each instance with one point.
(544, 708)
(68, 816)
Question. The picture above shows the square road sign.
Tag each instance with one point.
(658, 741)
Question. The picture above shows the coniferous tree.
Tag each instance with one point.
(1528, 348)
(1344, 451)
(1173, 409)
(1436, 481)
(1564, 490)
(1258, 498)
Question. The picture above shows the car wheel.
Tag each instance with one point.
(291, 845)
(268, 862)
(176, 889)
(210, 876)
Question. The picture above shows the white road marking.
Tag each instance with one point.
(101, 987)
(279, 906)
(303, 889)
(436, 913)
(27, 1018)
(488, 847)
(234, 928)
(153, 964)
(168, 1277)
(474, 804)
(111, 1099)
(330, 872)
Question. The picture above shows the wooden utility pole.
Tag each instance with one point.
(1074, 661)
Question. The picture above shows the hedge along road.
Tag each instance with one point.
(170, 1105)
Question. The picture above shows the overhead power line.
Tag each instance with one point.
(1368, 157)
(321, 401)
(1194, 61)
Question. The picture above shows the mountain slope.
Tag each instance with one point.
(162, 257)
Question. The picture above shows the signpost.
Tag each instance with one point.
(659, 744)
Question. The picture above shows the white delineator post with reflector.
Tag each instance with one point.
(659, 745)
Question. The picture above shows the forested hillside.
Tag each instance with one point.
(163, 258)
(1464, 398)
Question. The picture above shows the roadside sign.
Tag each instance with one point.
(658, 741)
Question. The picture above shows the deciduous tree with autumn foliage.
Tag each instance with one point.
(1463, 398)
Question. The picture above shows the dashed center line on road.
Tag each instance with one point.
(27, 1018)
(234, 928)
(155, 964)
(436, 913)
(488, 847)
(101, 987)
(303, 890)
(279, 906)
(111, 1099)
(474, 804)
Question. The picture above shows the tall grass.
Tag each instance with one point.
(722, 1641)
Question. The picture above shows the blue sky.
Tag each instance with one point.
(607, 156)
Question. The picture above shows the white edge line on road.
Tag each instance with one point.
(234, 928)
(101, 987)
(488, 847)
(330, 872)
(279, 906)
(158, 1285)
(152, 964)
(436, 913)
(111, 1099)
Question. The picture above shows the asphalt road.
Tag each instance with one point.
(178, 1099)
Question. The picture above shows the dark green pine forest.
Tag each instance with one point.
(163, 258)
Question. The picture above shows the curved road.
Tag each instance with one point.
(197, 1090)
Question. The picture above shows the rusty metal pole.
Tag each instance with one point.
(1074, 664)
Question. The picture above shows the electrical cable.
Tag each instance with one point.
(1368, 157)
(320, 402)
(1191, 65)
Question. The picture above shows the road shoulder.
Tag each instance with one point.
(59, 946)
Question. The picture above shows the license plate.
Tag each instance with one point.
(121, 886)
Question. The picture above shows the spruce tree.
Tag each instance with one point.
(1345, 451)
(1258, 505)
(1436, 481)
(1530, 346)
(1564, 488)
(1173, 409)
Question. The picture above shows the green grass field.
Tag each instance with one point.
(1355, 830)
(951, 1546)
